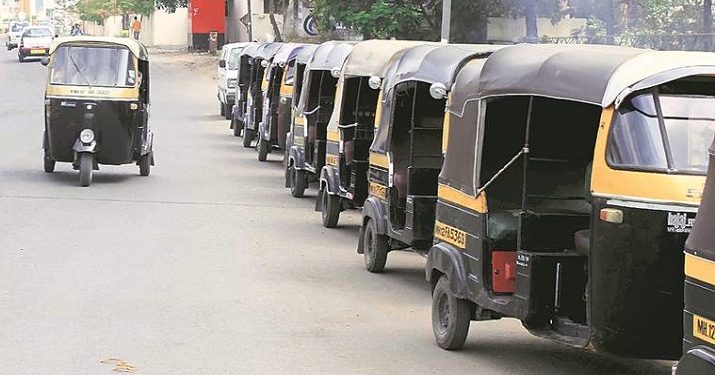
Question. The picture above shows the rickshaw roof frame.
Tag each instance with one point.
(288, 51)
(330, 55)
(372, 57)
(268, 50)
(594, 74)
(137, 48)
(252, 49)
(306, 53)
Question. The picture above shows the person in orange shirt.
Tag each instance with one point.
(136, 27)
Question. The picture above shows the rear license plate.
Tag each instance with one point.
(704, 329)
(37, 51)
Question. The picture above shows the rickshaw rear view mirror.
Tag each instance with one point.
(222, 63)
(335, 72)
(264, 63)
(44, 60)
(374, 82)
(282, 64)
(438, 90)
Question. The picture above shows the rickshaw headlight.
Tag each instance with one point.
(374, 82)
(86, 136)
(335, 72)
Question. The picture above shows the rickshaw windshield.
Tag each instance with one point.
(93, 66)
(663, 132)
(234, 59)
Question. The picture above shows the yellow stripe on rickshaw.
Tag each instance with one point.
(299, 120)
(700, 269)
(379, 160)
(333, 136)
(452, 195)
(378, 191)
(450, 235)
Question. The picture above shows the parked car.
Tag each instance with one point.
(14, 33)
(227, 76)
(34, 43)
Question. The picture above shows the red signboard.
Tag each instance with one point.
(207, 15)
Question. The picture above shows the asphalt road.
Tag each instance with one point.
(208, 266)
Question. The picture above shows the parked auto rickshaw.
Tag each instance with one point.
(277, 99)
(699, 316)
(313, 100)
(343, 179)
(244, 79)
(227, 74)
(567, 192)
(406, 154)
(97, 105)
(256, 87)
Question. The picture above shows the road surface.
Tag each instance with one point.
(208, 266)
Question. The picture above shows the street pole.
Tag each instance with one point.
(250, 22)
(446, 19)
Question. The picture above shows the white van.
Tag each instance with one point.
(14, 33)
(228, 75)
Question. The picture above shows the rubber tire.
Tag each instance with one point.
(237, 127)
(298, 182)
(49, 164)
(227, 112)
(248, 136)
(263, 148)
(86, 167)
(449, 335)
(20, 58)
(145, 165)
(375, 248)
(330, 209)
(222, 111)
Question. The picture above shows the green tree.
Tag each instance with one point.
(98, 10)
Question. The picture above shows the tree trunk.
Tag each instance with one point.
(708, 23)
(276, 29)
(532, 33)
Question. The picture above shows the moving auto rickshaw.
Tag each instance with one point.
(343, 179)
(406, 154)
(567, 192)
(313, 103)
(257, 85)
(97, 105)
(699, 315)
(244, 79)
(277, 102)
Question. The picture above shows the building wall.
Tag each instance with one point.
(161, 29)
(514, 30)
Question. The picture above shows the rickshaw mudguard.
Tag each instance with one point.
(80, 147)
(372, 209)
(297, 157)
(329, 180)
(638, 266)
(699, 360)
(444, 259)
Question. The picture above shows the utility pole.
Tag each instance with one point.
(446, 19)
(250, 21)
(708, 24)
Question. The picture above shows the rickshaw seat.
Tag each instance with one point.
(502, 227)
(582, 239)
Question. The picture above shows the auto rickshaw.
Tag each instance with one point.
(343, 179)
(97, 105)
(567, 192)
(699, 315)
(256, 87)
(244, 79)
(406, 154)
(313, 104)
(278, 96)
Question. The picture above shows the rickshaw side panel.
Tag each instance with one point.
(282, 126)
(113, 120)
(645, 286)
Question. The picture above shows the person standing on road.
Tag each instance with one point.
(136, 27)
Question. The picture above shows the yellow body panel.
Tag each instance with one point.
(118, 93)
(650, 186)
(378, 110)
(286, 90)
(379, 160)
(299, 120)
(452, 195)
(700, 269)
(333, 136)
(445, 131)
(379, 191)
(331, 160)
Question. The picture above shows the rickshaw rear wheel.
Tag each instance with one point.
(227, 112)
(298, 182)
(49, 164)
(86, 165)
(263, 148)
(330, 211)
(450, 316)
(222, 110)
(145, 165)
(248, 135)
(376, 247)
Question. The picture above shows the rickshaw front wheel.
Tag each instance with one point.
(263, 148)
(450, 317)
(49, 164)
(376, 247)
(248, 135)
(145, 165)
(330, 211)
(86, 165)
(297, 182)
(236, 127)
(222, 111)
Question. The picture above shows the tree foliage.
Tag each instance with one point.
(98, 10)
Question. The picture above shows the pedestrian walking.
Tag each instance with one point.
(136, 27)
